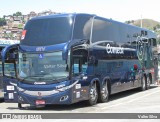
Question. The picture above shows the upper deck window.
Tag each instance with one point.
(47, 31)
(104, 30)
(82, 27)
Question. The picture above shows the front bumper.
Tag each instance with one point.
(62, 97)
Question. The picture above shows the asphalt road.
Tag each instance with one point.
(133, 101)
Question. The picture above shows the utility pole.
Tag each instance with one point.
(141, 22)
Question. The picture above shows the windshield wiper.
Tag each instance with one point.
(54, 78)
(28, 77)
(40, 78)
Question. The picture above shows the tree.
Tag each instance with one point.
(2, 21)
(158, 40)
(132, 21)
(17, 13)
(128, 22)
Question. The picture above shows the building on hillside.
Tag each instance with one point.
(15, 24)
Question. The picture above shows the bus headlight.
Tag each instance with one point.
(20, 89)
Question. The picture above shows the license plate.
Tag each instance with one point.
(40, 102)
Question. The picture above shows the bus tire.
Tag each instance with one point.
(143, 83)
(104, 93)
(93, 94)
(19, 105)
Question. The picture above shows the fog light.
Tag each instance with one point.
(63, 98)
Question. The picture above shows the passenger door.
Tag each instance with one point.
(9, 70)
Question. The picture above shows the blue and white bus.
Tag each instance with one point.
(9, 68)
(67, 58)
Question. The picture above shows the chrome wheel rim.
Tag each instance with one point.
(93, 92)
(104, 91)
(143, 85)
(148, 83)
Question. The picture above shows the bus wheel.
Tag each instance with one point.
(104, 93)
(93, 94)
(143, 83)
(19, 105)
(148, 83)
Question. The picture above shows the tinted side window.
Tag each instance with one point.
(82, 27)
(104, 30)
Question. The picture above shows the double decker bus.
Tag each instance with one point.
(9, 68)
(67, 58)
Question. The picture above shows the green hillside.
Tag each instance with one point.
(148, 24)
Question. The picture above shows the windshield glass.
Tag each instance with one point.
(47, 31)
(42, 67)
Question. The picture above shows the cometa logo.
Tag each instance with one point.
(114, 50)
(37, 83)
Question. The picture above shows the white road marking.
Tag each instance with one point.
(131, 100)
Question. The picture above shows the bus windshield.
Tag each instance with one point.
(48, 31)
(56, 30)
(42, 67)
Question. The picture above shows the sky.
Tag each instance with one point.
(120, 10)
